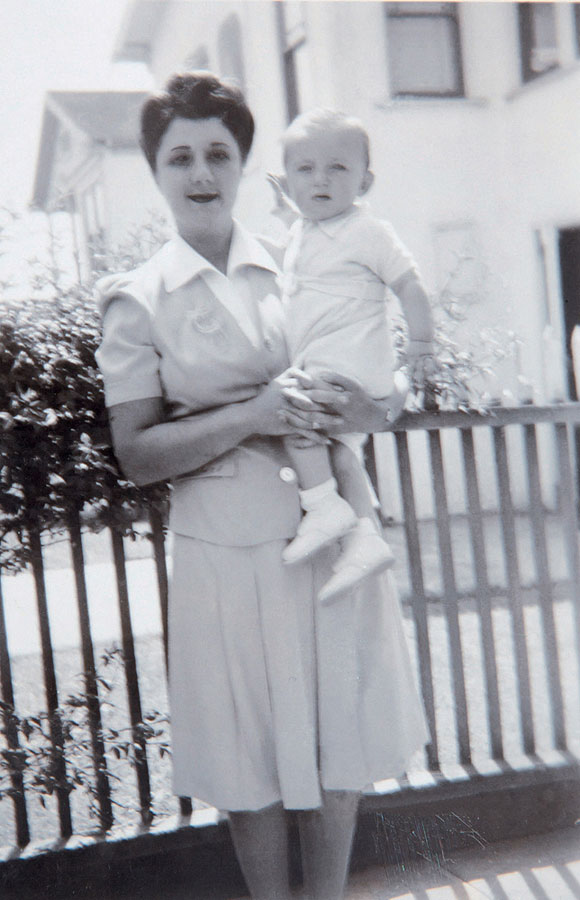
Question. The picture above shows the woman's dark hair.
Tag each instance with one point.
(195, 95)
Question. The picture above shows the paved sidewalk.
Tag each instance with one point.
(542, 867)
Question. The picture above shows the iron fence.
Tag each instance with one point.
(491, 598)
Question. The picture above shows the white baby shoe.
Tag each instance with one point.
(365, 553)
(330, 520)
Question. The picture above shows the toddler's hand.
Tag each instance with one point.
(284, 209)
(421, 365)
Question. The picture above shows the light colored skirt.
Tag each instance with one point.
(274, 696)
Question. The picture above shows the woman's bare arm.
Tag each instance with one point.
(150, 449)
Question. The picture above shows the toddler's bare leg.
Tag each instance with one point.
(351, 480)
(311, 464)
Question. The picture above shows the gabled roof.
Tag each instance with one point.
(109, 118)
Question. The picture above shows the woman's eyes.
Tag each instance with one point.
(213, 156)
(183, 159)
(218, 156)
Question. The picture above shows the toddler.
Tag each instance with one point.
(338, 263)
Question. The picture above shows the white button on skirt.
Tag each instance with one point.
(273, 696)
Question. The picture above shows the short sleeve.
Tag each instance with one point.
(390, 258)
(128, 361)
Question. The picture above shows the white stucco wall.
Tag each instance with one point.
(502, 162)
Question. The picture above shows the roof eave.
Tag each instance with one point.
(44, 163)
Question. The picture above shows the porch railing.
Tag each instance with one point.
(491, 598)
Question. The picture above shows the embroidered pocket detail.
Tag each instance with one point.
(205, 321)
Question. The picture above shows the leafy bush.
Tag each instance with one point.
(34, 759)
(458, 376)
(55, 450)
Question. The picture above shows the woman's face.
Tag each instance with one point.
(199, 167)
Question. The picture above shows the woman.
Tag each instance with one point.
(276, 702)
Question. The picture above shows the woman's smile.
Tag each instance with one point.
(204, 197)
(198, 171)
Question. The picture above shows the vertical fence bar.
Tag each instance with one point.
(418, 598)
(56, 733)
(11, 732)
(158, 541)
(483, 592)
(451, 600)
(132, 681)
(569, 511)
(514, 588)
(545, 587)
(90, 675)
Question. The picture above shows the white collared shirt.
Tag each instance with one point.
(354, 244)
(176, 327)
(336, 275)
(182, 263)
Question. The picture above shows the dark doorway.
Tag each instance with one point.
(569, 247)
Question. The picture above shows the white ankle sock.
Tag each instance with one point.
(312, 497)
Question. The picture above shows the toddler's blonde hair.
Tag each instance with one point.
(322, 119)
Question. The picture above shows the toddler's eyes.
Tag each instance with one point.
(305, 168)
(338, 167)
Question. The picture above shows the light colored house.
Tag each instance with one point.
(475, 133)
(90, 165)
(473, 118)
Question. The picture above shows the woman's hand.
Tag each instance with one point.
(335, 404)
(279, 409)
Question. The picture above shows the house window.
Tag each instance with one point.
(538, 39)
(231, 59)
(576, 7)
(295, 59)
(424, 49)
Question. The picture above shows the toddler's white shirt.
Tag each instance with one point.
(334, 287)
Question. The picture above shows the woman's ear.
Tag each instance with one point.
(366, 183)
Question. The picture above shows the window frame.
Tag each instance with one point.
(290, 40)
(525, 31)
(450, 12)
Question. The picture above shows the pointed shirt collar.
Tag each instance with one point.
(181, 263)
(332, 226)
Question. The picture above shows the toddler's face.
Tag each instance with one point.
(326, 173)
